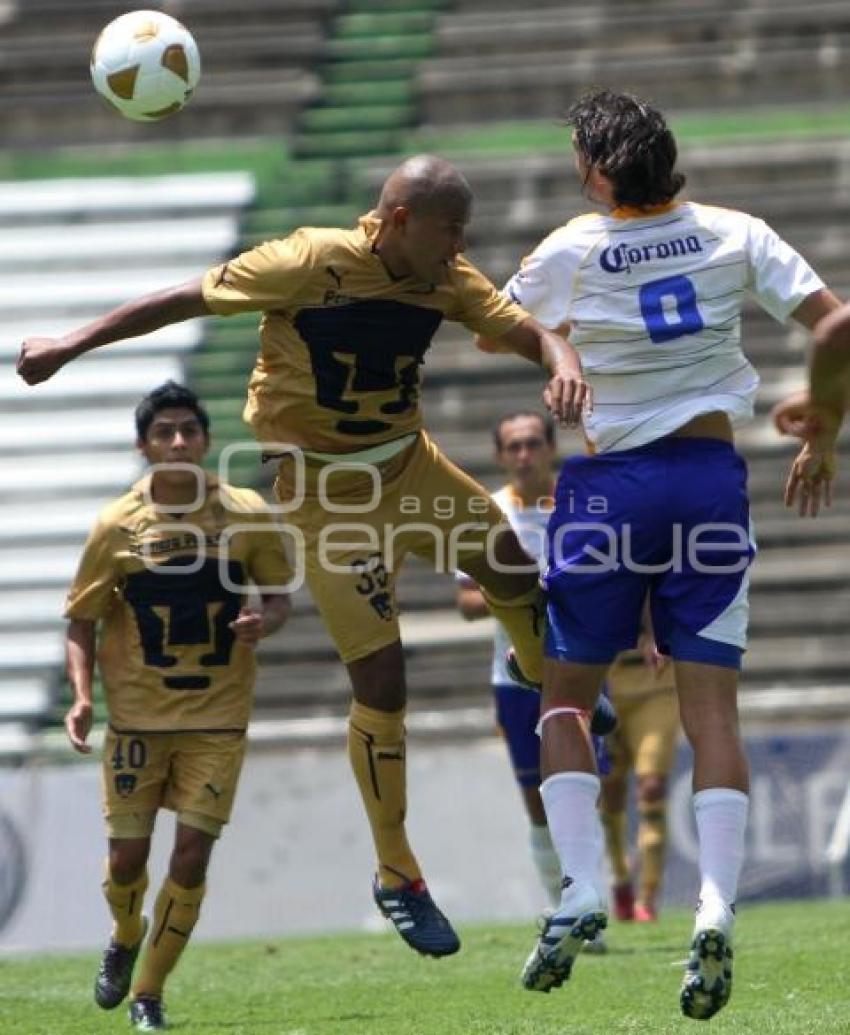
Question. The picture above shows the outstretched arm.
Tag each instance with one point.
(567, 394)
(40, 358)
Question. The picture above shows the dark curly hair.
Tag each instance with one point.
(629, 142)
(169, 395)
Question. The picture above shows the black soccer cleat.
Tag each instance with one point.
(116, 972)
(146, 1014)
(416, 918)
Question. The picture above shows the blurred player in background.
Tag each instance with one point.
(175, 650)
(525, 449)
(650, 293)
(348, 318)
(642, 688)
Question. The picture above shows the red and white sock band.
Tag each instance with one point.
(550, 713)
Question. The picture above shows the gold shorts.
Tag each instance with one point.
(193, 774)
(647, 719)
(359, 525)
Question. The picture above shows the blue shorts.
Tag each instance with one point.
(518, 712)
(670, 519)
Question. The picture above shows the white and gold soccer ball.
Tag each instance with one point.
(146, 65)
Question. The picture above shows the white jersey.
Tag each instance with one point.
(654, 308)
(530, 524)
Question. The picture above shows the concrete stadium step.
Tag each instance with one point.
(206, 12)
(179, 337)
(818, 657)
(346, 145)
(95, 376)
(227, 105)
(348, 120)
(733, 166)
(128, 243)
(614, 26)
(448, 676)
(72, 291)
(270, 224)
(367, 93)
(777, 612)
(458, 91)
(392, 70)
(63, 58)
(452, 678)
(31, 520)
(405, 46)
(32, 609)
(97, 197)
(23, 699)
(71, 472)
(22, 651)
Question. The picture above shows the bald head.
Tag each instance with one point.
(424, 183)
(424, 209)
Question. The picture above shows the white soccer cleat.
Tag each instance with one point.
(707, 984)
(578, 919)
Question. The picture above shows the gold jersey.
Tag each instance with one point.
(630, 677)
(164, 589)
(342, 342)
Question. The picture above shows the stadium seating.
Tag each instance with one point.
(340, 83)
(492, 65)
(66, 447)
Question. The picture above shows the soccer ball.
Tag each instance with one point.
(146, 65)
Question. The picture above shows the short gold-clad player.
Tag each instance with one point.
(164, 575)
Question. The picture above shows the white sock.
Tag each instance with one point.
(546, 861)
(721, 817)
(570, 803)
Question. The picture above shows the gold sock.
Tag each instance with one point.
(125, 905)
(652, 845)
(614, 825)
(524, 620)
(377, 755)
(174, 916)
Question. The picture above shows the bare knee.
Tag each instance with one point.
(190, 856)
(128, 858)
(378, 680)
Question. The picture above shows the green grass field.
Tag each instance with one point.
(791, 978)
